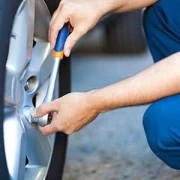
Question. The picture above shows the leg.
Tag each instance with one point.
(162, 126)
(162, 119)
(162, 28)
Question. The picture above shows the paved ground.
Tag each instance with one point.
(114, 146)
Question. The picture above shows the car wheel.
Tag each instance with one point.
(26, 65)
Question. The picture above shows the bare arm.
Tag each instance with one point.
(128, 5)
(76, 110)
(160, 80)
(83, 15)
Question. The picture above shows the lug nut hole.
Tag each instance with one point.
(31, 84)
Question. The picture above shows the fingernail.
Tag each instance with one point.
(67, 52)
(33, 113)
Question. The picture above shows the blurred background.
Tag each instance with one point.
(114, 146)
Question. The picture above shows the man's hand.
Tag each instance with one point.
(72, 113)
(82, 15)
(75, 110)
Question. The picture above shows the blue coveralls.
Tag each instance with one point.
(162, 119)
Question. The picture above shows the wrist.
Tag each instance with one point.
(96, 101)
(114, 5)
(110, 6)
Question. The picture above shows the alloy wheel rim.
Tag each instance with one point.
(28, 68)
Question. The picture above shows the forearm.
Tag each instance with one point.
(128, 5)
(160, 80)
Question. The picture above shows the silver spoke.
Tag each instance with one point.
(41, 62)
(42, 18)
(31, 22)
(36, 153)
(15, 144)
(35, 173)
(21, 41)
(20, 47)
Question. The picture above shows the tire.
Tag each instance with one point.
(124, 33)
(8, 9)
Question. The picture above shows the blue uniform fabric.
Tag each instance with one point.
(161, 120)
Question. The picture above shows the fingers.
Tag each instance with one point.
(49, 129)
(55, 126)
(53, 17)
(56, 24)
(76, 34)
(45, 109)
(51, 22)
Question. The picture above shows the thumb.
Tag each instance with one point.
(45, 109)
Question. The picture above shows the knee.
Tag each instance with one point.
(160, 139)
(163, 16)
(152, 122)
(163, 11)
(162, 28)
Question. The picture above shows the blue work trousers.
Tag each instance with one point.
(161, 121)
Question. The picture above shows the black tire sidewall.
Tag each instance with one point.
(8, 10)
